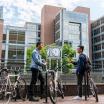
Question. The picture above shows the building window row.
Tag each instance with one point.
(57, 18)
(97, 31)
(97, 39)
(97, 47)
(97, 64)
(97, 23)
(17, 37)
(97, 55)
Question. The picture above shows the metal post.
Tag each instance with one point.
(46, 100)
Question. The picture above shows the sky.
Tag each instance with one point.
(17, 12)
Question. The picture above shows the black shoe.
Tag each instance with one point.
(33, 99)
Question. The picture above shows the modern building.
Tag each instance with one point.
(1, 30)
(97, 28)
(47, 23)
(66, 26)
(16, 40)
(72, 27)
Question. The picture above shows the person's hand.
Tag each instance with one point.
(45, 63)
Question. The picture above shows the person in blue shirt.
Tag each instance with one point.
(36, 64)
(80, 70)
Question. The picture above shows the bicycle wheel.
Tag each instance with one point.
(22, 89)
(60, 90)
(6, 98)
(5, 95)
(52, 90)
(93, 89)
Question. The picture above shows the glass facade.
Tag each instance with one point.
(16, 40)
(17, 37)
(1, 12)
(32, 33)
(98, 44)
(73, 28)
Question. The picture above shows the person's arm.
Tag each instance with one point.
(36, 59)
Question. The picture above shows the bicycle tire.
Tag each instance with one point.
(22, 89)
(52, 91)
(60, 90)
(93, 89)
(6, 97)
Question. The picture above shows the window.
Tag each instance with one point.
(39, 27)
(97, 31)
(97, 47)
(17, 37)
(4, 38)
(102, 29)
(3, 54)
(95, 24)
(102, 45)
(97, 39)
(103, 54)
(57, 26)
(98, 64)
(97, 55)
(103, 37)
(57, 35)
(21, 37)
(57, 18)
(12, 37)
(103, 64)
(102, 20)
(16, 52)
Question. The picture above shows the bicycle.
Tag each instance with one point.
(9, 90)
(90, 86)
(54, 85)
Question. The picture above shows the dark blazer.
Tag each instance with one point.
(80, 64)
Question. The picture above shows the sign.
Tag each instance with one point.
(54, 52)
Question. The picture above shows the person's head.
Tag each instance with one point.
(80, 49)
(39, 45)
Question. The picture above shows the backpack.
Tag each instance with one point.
(88, 66)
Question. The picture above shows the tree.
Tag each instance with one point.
(28, 55)
(67, 56)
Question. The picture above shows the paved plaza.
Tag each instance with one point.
(67, 100)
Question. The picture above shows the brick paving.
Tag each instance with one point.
(67, 100)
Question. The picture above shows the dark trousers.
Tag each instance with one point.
(36, 74)
(79, 82)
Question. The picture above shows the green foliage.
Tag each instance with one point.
(29, 54)
(67, 56)
(43, 52)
